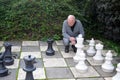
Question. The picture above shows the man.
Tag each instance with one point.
(70, 30)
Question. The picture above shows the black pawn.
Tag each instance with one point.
(29, 67)
(8, 54)
(3, 69)
(50, 50)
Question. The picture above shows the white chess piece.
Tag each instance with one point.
(81, 66)
(117, 76)
(91, 50)
(98, 56)
(107, 66)
(79, 47)
(80, 39)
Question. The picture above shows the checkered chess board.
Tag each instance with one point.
(60, 66)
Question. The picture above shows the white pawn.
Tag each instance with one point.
(91, 50)
(79, 47)
(107, 66)
(98, 57)
(81, 66)
(117, 76)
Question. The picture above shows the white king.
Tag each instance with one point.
(79, 47)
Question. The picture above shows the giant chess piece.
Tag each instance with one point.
(81, 66)
(3, 69)
(29, 67)
(79, 47)
(98, 57)
(117, 76)
(107, 66)
(50, 50)
(8, 54)
(91, 50)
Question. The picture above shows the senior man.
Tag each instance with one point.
(70, 30)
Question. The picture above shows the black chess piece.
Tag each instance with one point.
(8, 54)
(29, 67)
(50, 50)
(3, 69)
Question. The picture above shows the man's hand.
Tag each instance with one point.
(72, 39)
(73, 42)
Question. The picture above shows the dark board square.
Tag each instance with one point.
(59, 73)
(30, 49)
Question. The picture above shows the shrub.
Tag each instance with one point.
(33, 19)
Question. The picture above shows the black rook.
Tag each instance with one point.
(50, 50)
(3, 69)
(29, 67)
(8, 54)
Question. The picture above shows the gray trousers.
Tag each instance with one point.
(66, 41)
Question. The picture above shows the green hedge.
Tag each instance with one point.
(40, 19)
(34, 19)
(107, 13)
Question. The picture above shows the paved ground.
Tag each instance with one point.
(61, 66)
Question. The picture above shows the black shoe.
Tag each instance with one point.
(74, 48)
(66, 49)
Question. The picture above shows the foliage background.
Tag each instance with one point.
(41, 19)
(33, 19)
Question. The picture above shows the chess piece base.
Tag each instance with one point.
(82, 70)
(50, 53)
(9, 61)
(3, 73)
(106, 70)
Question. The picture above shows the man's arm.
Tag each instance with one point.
(64, 33)
(81, 29)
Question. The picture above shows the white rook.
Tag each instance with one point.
(91, 50)
(98, 57)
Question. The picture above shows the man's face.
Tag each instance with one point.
(71, 22)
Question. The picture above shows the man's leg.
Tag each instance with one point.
(74, 48)
(66, 43)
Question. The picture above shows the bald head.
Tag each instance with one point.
(71, 20)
